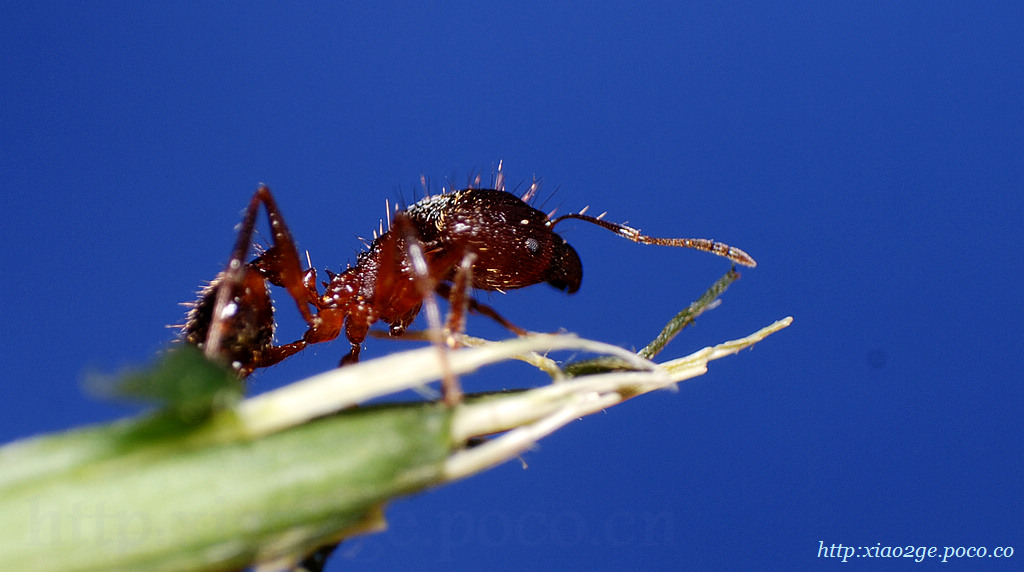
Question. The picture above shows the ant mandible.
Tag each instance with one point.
(448, 244)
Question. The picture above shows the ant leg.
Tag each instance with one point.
(704, 244)
(356, 329)
(445, 291)
(351, 357)
(279, 264)
(458, 298)
(233, 319)
(425, 285)
(274, 354)
(231, 287)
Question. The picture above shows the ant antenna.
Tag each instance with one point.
(704, 244)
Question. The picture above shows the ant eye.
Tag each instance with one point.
(532, 245)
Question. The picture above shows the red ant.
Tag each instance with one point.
(449, 243)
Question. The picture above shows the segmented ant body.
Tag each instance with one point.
(448, 244)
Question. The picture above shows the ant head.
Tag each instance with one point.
(512, 243)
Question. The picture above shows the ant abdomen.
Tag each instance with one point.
(244, 321)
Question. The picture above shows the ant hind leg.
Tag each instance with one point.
(233, 321)
(279, 264)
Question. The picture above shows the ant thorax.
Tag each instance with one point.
(502, 242)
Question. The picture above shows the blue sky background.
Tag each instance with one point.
(870, 156)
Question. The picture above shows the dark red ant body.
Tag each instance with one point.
(485, 239)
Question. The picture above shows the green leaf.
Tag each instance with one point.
(183, 383)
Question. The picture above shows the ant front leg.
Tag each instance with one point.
(445, 291)
(458, 299)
